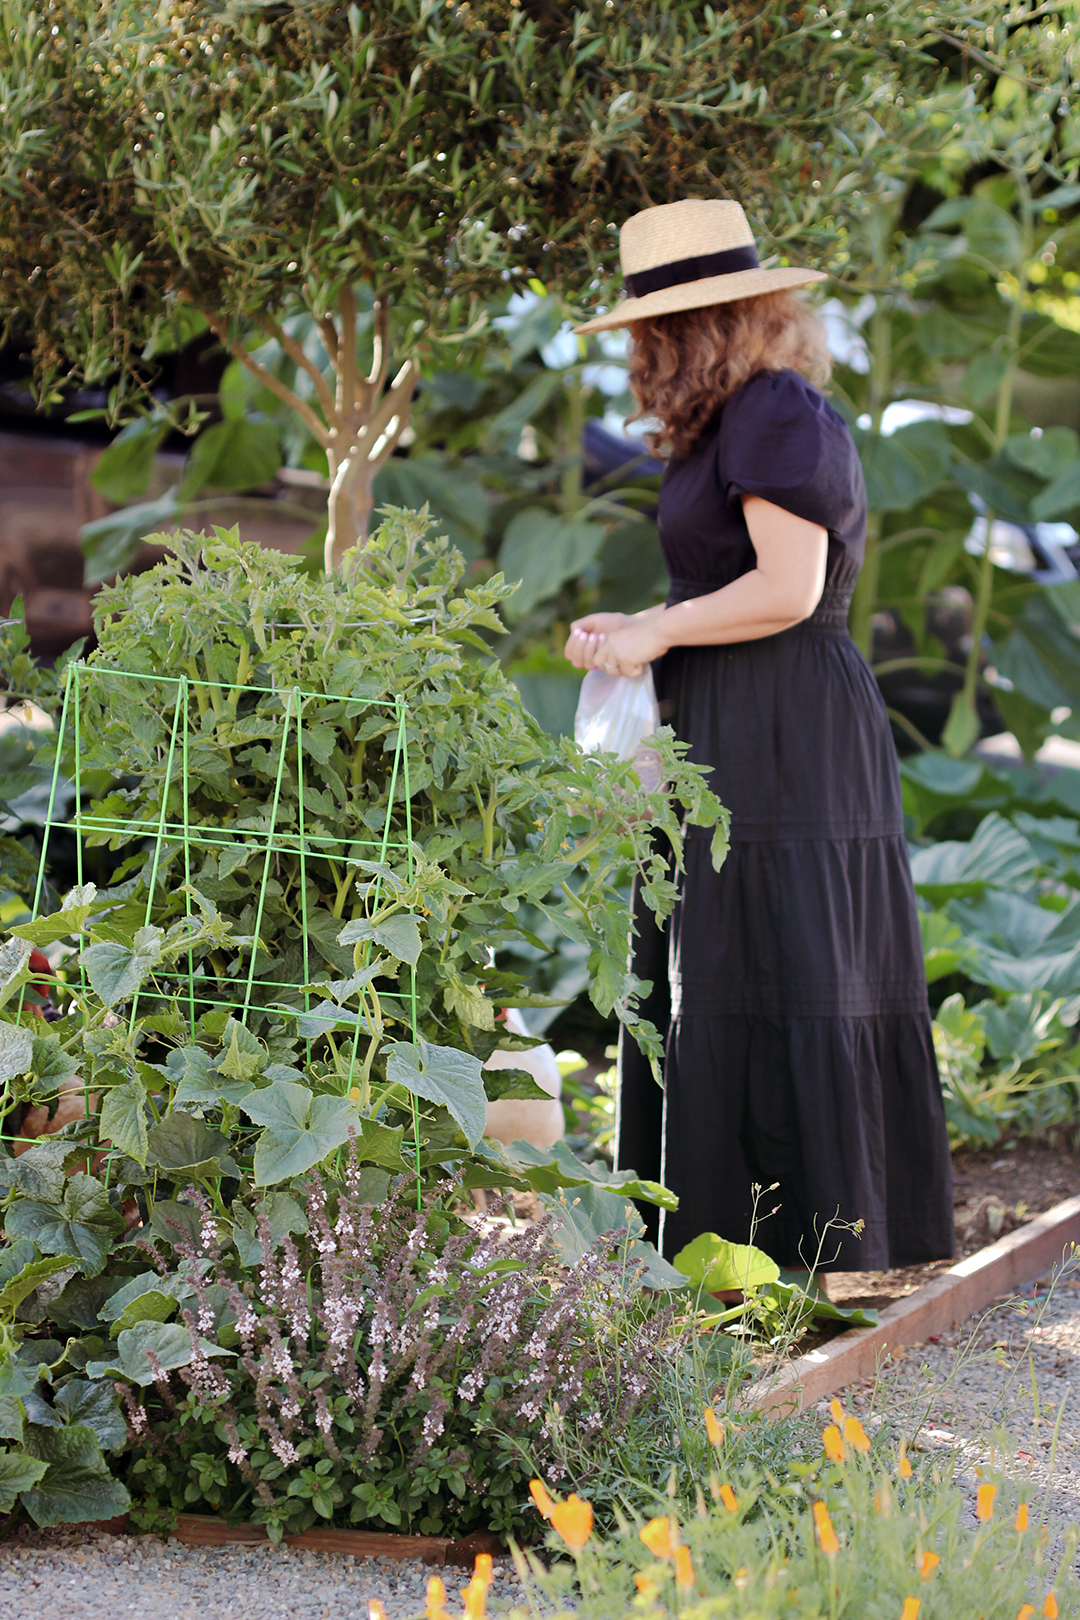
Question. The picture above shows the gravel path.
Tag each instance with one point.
(996, 1390)
(76, 1574)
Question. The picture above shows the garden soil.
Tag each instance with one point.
(78, 1573)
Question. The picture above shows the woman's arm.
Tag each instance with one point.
(782, 590)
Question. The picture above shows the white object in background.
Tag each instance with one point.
(525, 1119)
(615, 715)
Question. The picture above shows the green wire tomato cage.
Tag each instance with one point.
(191, 988)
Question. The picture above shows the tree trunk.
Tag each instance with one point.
(362, 418)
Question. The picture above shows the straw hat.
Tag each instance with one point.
(684, 255)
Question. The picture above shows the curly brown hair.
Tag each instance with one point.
(684, 366)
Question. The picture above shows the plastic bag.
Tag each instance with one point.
(615, 714)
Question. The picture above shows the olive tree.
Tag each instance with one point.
(383, 169)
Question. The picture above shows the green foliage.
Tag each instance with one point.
(1000, 913)
(814, 1537)
(371, 985)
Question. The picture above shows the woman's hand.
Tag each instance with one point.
(616, 642)
(588, 635)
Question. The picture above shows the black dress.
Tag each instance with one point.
(790, 985)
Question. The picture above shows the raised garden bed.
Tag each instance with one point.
(203, 1530)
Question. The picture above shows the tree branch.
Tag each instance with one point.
(319, 432)
(330, 344)
(296, 354)
(347, 396)
(393, 403)
(380, 355)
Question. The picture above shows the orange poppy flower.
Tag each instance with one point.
(825, 1532)
(855, 1435)
(573, 1519)
(1022, 1519)
(648, 1585)
(930, 1562)
(375, 1610)
(834, 1445)
(538, 1492)
(838, 1412)
(1026, 1612)
(904, 1468)
(474, 1597)
(435, 1607)
(984, 1502)
(1050, 1608)
(657, 1536)
(910, 1609)
(713, 1428)
(684, 1569)
(729, 1499)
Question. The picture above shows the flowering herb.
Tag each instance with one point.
(380, 1360)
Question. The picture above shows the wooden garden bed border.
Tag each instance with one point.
(203, 1530)
(969, 1286)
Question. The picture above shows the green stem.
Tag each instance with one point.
(866, 589)
(574, 422)
(1001, 433)
(880, 345)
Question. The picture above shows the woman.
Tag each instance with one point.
(790, 984)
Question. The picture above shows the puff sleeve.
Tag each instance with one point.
(781, 439)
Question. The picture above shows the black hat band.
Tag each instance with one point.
(681, 271)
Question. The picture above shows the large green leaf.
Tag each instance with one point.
(904, 467)
(39, 1172)
(441, 1074)
(718, 1266)
(1026, 1024)
(120, 1302)
(125, 468)
(77, 1484)
(170, 1344)
(52, 1064)
(83, 1225)
(199, 1082)
(549, 1169)
(96, 1407)
(182, 1145)
(117, 971)
(398, 935)
(111, 543)
(123, 1120)
(585, 1214)
(541, 551)
(234, 454)
(944, 949)
(1062, 496)
(997, 857)
(31, 1274)
(14, 968)
(70, 919)
(1047, 456)
(1006, 489)
(1016, 945)
(16, 1051)
(18, 1473)
(301, 1129)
